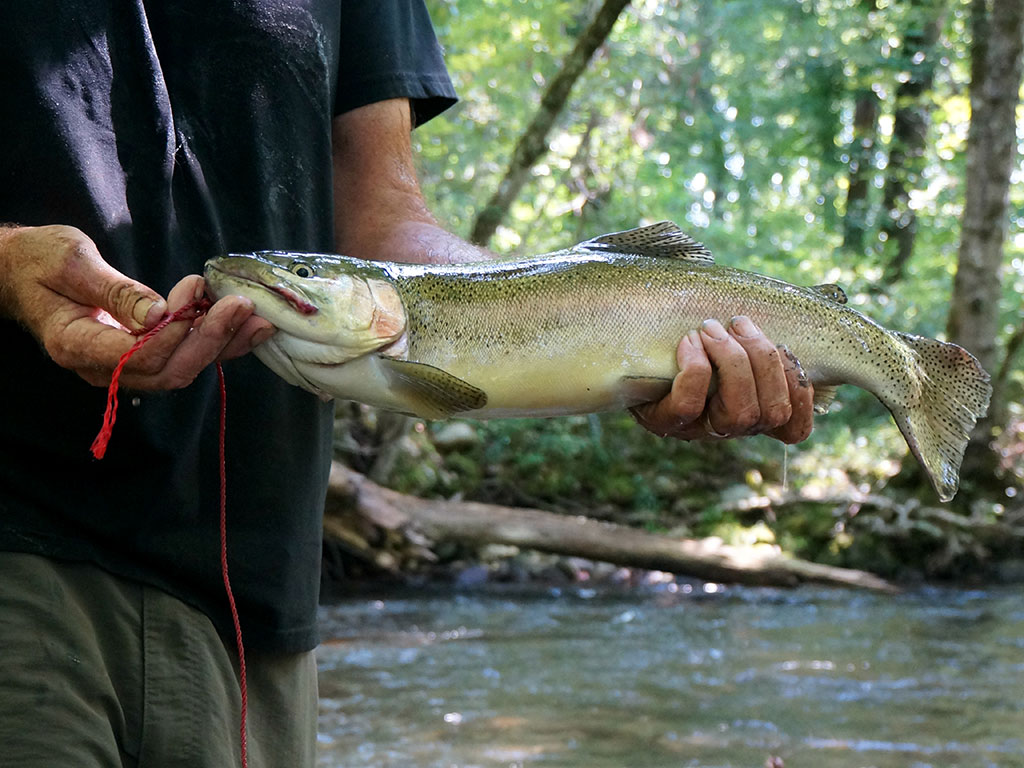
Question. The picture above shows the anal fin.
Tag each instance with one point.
(824, 396)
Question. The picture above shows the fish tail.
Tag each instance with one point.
(954, 394)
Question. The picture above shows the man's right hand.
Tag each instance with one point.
(54, 282)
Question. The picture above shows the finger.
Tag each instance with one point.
(801, 396)
(769, 376)
(202, 346)
(733, 408)
(87, 345)
(85, 278)
(690, 386)
(151, 359)
(676, 413)
(249, 335)
(252, 333)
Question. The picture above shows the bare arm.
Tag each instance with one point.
(380, 214)
(379, 211)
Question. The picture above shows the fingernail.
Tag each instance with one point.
(147, 312)
(743, 325)
(262, 335)
(714, 329)
(200, 290)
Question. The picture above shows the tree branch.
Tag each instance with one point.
(474, 524)
(533, 142)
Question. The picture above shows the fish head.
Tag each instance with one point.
(328, 309)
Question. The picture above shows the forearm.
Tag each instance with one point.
(379, 209)
(420, 242)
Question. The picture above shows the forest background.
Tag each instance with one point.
(810, 140)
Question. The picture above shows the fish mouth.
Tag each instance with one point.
(297, 302)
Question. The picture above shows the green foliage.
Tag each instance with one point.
(735, 120)
(601, 464)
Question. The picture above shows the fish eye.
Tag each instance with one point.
(302, 269)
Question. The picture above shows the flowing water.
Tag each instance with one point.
(673, 676)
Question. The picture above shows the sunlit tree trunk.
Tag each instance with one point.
(534, 141)
(826, 85)
(909, 132)
(700, 97)
(862, 150)
(997, 39)
(861, 161)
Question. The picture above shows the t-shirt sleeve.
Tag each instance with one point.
(388, 50)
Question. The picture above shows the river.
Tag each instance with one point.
(673, 675)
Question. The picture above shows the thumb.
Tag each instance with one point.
(89, 280)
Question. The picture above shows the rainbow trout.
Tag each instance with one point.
(591, 328)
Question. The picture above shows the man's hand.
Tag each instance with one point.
(760, 388)
(55, 283)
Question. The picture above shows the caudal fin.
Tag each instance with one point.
(955, 392)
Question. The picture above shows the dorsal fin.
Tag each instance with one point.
(662, 240)
(831, 291)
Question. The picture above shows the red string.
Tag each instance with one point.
(224, 561)
(99, 448)
(99, 445)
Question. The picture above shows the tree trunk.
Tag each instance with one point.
(473, 524)
(533, 143)
(862, 150)
(909, 132)
(997, 40)
(826, 84)
(998, 412)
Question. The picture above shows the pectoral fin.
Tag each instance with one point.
(431, 392)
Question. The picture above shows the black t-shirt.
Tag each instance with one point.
(170, 132)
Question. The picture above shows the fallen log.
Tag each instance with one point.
(359, 501)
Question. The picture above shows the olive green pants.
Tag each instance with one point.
(97, 672)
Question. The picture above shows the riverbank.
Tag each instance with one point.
(377, 532)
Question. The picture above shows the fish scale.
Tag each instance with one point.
(590, 328)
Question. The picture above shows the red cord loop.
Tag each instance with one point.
(99, 449)
(99, 445)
